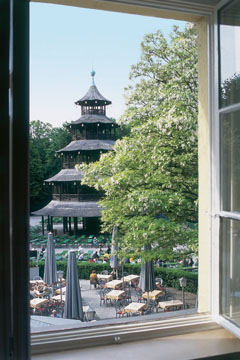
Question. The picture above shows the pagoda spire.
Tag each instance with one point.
(93, 73)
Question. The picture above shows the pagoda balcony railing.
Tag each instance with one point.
(92, 136)
(69, 165)
(93, 111)
(76, 197)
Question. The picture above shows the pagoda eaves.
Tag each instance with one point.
(86, 209)
(66, 175)
(92, 119)
(81, 145)
(93, 97)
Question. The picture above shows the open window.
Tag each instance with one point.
(229, 122)
(14, 25)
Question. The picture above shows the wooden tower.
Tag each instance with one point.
(92, 134)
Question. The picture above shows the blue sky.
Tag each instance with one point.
(65, 42)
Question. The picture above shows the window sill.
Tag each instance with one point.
(118, 333)
(194, 345)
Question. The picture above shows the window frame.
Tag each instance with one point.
(15, 233)
(217, 214)
(14, 191)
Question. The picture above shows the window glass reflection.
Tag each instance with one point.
(229, 31)
(229, 270)
(230, 161)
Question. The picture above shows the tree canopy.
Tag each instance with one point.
(150, 179)
(230, 90)
(44, 141)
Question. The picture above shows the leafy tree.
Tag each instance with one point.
(230, 90)
(167, 78)
(150, 179)
(44, 141)
(60, 137)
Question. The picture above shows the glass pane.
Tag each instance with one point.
(229, 31)
(230, 161)
(229, 270)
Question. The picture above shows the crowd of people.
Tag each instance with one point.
(36, 289)
(97, 255)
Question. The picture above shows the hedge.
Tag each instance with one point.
(84, 268)
(170, 276)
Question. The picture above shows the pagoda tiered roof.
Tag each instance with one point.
(70, 208)
(97, 144)
(66, 175)
(93, 118)
(93, 97)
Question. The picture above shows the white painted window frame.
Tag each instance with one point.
(216, 212)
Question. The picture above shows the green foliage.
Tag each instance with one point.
(151, 178)
(84, 268)
(230, 90)
(170, 276)
(35, 230)
(123, 130)
(44, 141)
(167, 78)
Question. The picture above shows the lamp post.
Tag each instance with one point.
(183, 283)
(60, 277)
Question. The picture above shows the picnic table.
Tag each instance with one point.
(115, 295)
(37, 302)
(130, 278)
(104, 277)
(171, 305)
(153, 295)
(58, 298)
(134, 307)
(114, 284)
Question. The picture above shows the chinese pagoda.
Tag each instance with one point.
(92, 134)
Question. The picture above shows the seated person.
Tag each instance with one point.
(95, 242)
(37, 287)
(55, 314)
(80, 251)
(94, 278)
(42, 251)
(107, 256)
(104, 260)
(95, 256)
(81, 257)
(32, 294)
